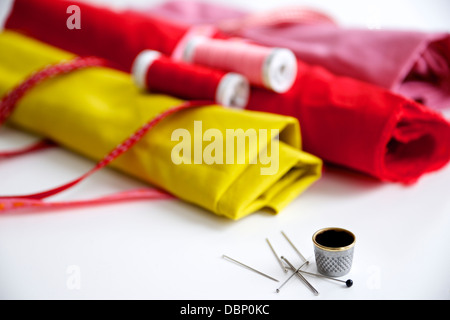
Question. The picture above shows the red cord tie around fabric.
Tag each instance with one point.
(9, 100)
(7, 105)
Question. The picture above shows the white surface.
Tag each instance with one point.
(171, 250)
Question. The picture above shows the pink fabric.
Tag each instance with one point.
(412, 63)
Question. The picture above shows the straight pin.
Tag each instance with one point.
(287, 280)
(277, 257)
(301, 277)
(250, 268)
(290, 242)
(348, 282)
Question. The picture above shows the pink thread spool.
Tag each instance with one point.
(272, 68)
(155, 72)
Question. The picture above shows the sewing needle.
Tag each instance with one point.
(301, 277)
(348, 282)
(276, 256)
(301, 256)
(250, 268)
(295, 271)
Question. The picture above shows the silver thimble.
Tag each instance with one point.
(333, 250)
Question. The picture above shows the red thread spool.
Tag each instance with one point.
(157, 73)
(272, 68)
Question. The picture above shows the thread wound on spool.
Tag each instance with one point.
(280, 70)
(140, 66)
(272, 68)
(154, 72)
(233, 90)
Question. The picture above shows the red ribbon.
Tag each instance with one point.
(7, 105)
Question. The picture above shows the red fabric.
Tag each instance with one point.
(360, 126)
(343, 120)
(115, 36)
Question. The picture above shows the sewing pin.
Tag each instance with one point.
(290, 242)
(276, 256)
(250, 268)
(295, 271)
(301, 277)
(348, 283)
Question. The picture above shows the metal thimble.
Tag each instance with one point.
(333, 250)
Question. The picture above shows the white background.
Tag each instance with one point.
(172, 250)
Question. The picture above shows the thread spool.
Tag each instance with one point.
(157, 73)
(272, 68)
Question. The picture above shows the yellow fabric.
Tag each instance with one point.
(90, 111)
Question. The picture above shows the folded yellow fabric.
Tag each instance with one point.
(90, 111)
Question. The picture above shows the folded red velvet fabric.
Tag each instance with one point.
(343, 120)
(412, 63)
